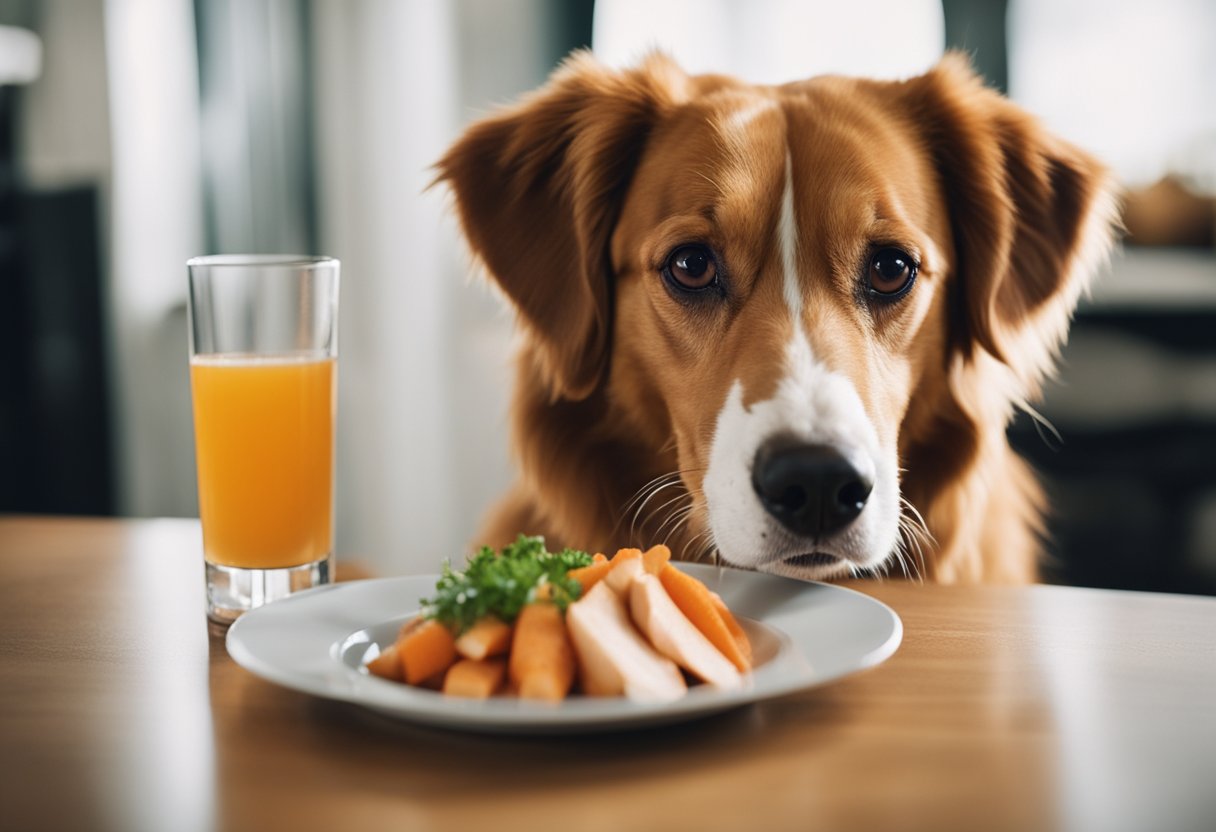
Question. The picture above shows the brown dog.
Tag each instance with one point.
(781, 326)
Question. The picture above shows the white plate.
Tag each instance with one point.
(803, 635)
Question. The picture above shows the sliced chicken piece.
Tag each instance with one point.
(677, 638)
(613, 656)
(622, 573)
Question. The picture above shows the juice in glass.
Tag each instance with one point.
(264, 441)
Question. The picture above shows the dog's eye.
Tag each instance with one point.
(892, 272)
(691, 267)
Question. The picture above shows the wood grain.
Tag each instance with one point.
(1005, 708)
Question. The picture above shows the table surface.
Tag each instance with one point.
(1005, 708)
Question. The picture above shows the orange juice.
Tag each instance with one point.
(264, 440)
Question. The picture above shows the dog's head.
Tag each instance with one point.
(787, 284)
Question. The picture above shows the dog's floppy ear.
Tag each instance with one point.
(1032, 218)
(538, 189)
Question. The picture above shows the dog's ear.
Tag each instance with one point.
(1032, 219)
(539, 188)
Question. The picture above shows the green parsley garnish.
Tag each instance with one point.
(502, 584)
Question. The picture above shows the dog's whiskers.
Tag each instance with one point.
(901, 558)
(642, 497)
(914, 537)
(673, 514)
(703, 544)
(637, 514)
(683, 519)
(641, 492)
(677, 515)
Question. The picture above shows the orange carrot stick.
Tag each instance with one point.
(695, 601)
(489, 636)
(589, 576)
(599, 557)
(626, 554)
(542, 659)
(655, 558)
(732, 626)
(426, 650)
(387, 665)
(623, 572)
(475, 679)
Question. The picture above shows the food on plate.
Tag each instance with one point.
(589, 576)
(542, 660)
(387, 665)
(475, 678)
(677, 638)
(488, 636)
(655, 559)
(732, 626)
(626, 565)
(501, 584)
(540, 625)
(614, 658)
(696, 602)
(426, 651)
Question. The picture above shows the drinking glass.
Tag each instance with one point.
(263, 375)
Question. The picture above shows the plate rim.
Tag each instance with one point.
(536, 718)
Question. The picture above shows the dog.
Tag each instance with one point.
(783, 328)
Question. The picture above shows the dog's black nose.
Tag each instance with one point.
(810, 489)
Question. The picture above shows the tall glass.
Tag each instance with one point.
(263, 372)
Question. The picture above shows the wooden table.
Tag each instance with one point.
(1027, 708)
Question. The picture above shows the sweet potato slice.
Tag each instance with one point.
(542, 660)
(387, 665)
(426, 650)
(489, 636)
(696, 602)
(475, 679)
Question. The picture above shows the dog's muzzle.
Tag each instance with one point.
(812, 490)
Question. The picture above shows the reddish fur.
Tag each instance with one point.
(573, 198)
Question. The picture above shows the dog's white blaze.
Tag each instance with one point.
(818, 406)
(813, 404)
(789, 247)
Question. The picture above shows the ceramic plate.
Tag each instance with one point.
(803, 635)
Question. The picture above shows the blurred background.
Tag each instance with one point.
(137, 133)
